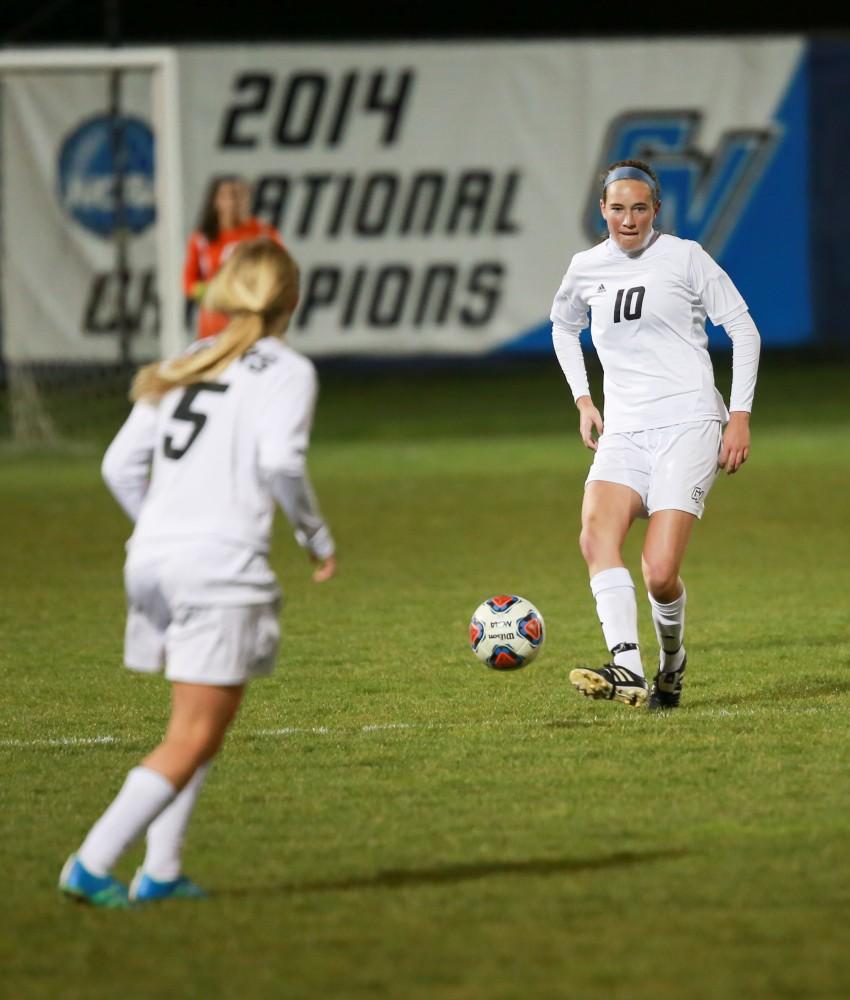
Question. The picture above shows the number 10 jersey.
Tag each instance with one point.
(647, 323)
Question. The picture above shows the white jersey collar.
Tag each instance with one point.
(617, 251)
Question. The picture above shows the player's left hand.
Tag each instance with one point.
(735, 449)
(325, 569)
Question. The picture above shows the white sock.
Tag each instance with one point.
(669, 622)
(166, 834)
(616, 606)
(143, 796)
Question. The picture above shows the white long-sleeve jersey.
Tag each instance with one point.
(202, 468)
(647, 323)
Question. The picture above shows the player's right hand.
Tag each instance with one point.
(589, 420)
(325, 569)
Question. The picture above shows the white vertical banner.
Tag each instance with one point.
(60, 287)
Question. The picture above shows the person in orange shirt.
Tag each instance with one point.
(225, 220)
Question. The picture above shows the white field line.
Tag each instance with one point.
(62, 741)
(621, 717)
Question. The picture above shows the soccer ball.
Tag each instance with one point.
(506, 632)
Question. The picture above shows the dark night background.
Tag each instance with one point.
(44, 22)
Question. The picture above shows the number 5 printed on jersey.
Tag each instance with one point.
(183, 411)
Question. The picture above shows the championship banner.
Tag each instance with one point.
(432, 193)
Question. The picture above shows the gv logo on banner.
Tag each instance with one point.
(702, 194)
(87, 174)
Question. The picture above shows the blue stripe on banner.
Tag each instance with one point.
(767, 254)
(539, 339)
(536, 340)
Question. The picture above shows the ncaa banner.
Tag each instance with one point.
(432, 194)
(60, 287)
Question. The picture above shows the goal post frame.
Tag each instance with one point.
(168, 174)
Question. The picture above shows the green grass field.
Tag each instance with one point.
(390, 819)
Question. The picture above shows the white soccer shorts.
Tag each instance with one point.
(216, 644)
(670, 468)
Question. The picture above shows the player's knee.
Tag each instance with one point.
(201, 742)
(661, 578)
(208, 743)
(589, 546)
(594, 543)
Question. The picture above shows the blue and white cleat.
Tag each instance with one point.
(144, 889)
(79, 883)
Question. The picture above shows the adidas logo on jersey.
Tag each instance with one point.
(601, 288)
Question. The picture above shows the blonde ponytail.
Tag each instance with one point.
(258, 287)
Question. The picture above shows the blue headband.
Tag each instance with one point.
(631, 174)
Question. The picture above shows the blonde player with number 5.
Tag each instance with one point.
(667, 430)
(215, 437)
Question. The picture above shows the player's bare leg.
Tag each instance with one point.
(163, 782)
(608, 511)
(200, 715)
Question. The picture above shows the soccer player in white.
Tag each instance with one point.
(667, 430)
(214, 438)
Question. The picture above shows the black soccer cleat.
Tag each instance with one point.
(612, 682)
(666, 690)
